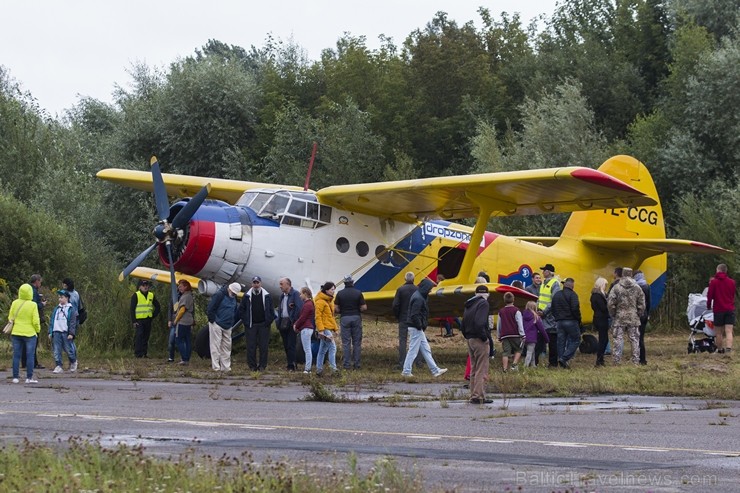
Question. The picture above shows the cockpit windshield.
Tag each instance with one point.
(287, 207)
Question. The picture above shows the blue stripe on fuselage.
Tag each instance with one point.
(410, 246)
(657, 290)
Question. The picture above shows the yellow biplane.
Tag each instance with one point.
(224, 231)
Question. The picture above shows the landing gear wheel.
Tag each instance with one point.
(203, 343)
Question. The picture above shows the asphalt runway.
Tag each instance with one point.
(603, 443)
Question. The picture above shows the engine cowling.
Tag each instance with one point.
(216, 243)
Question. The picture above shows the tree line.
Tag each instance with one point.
(659, 80)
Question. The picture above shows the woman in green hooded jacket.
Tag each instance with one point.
(26, 327)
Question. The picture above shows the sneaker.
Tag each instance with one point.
(514, 368)
(481, 401)
(407, 375)
(306, 372)
(73, 367)
(183, 363)
(169, 360)
(15, 380)
(440, 372)
(31, 380)
(58, 369)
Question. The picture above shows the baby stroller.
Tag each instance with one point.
(701, 324)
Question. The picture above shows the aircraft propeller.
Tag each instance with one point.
(166, 232)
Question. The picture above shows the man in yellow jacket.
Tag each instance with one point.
(26, 327)
(144, 307)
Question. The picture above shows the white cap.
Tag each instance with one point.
(235, 287)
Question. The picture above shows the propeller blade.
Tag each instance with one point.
(187, 212)
(160, 192)
(135, 263)
(173, 280)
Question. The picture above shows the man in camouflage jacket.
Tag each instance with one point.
(626, 305)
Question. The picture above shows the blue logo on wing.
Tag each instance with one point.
(523, 274)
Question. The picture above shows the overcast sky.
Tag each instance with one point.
(62, 49)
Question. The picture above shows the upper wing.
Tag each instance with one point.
(508, 193)
(185, 185)
(447, 301)
(654, 246)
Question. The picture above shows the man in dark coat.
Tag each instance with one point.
(475, 331)
(288, 309)
(400, 310)
(349, 303)
(257, 313)
(566, 310)
(418, 319)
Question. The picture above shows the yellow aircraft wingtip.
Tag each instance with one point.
(153, 160)
(120, 277)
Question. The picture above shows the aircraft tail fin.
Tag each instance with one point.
(629, 223)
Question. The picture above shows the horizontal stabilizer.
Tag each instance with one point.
(448, 300)
(654, 246)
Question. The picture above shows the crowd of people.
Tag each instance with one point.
(551, 325)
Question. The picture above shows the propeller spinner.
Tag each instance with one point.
(166, 232)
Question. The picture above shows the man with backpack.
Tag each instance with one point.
(76, 300)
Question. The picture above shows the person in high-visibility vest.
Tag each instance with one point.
(549, 287)
(144, 307)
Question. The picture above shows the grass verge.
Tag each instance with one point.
(670, 370)
(80, 465)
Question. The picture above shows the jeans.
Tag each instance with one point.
(569, 338)
(184, 341)
(327, 345)
(220, 342)
(59, 343)
(403, 335)
(351, 331)
(306, 341)
(171, 344)
(419, 343)
(21, 343)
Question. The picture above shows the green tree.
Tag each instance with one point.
(348, 151)
(559, 129)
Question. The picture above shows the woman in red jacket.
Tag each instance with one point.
(305, 326)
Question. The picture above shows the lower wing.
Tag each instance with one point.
(448, 300)
(162, 276)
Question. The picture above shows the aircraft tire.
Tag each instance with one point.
(202, 343)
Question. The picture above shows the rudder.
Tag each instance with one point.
(632, 222)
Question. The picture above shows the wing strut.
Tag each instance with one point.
(465, 275)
